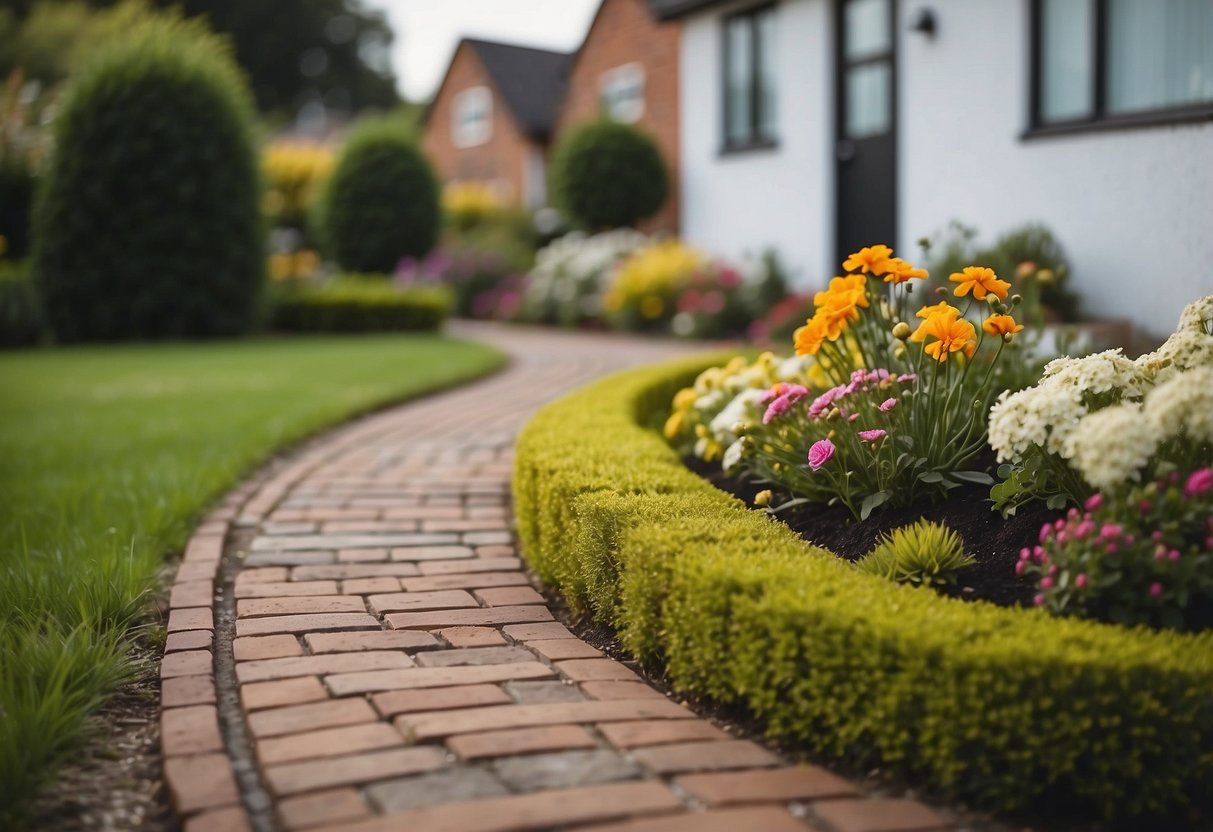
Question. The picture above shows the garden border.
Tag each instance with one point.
(1007, 708)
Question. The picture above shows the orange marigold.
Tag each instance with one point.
(1001, 325)
(871, 259)
(981, 282)
(899, 271)
(943, 310)
(808, 338)
(954, 335)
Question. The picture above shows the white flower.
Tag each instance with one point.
(1111, 446)
(1183, 405)
(732, 456)
(743, 408)
(1197, 316)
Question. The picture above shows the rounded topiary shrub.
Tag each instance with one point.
(608, 175)
(147, 219)
(381, 203)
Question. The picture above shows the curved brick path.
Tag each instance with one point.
(354, 644)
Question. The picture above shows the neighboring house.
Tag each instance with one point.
(816, 126)
(627, 69)
(493, 117)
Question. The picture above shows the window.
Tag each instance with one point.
(621, 91)
(472, 117)
(749, 79)
(1114, 62)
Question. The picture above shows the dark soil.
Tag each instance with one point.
(994, 542)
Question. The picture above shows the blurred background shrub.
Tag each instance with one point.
(607, 175)
(358, 303)
(146, 220)
(380, 204)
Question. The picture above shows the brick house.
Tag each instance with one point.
(493, 116)
(627, 68)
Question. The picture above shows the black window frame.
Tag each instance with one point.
(1099, 118)
(754, 140)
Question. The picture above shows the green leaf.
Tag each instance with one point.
(871, 502)
(931, 476)
(1004, 470)
(974, 477)
(1056, 502)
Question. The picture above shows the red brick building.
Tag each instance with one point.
(493, 116)
(627, 68)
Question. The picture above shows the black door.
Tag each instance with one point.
(866, 147)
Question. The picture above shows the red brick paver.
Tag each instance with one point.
(354, 634)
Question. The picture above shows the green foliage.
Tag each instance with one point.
(16, 201)
(1143, 556)
(381, 202)
(146, 221)
(21, 322)
(606, 175)
(923, 554)
(110, 456)
(1005, 708)
(359, 304)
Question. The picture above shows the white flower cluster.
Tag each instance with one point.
(1107, 415)
(576, 267)
(1045, 415)
(1111, 445)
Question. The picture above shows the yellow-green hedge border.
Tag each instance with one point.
(1007, 708)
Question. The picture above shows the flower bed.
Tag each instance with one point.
(1008, 708)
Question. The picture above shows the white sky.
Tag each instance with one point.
(427, 31)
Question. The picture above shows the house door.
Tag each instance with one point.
(866, 145)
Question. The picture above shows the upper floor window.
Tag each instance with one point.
(621, 91)
(472, 117)
(749, 78)
(1121, 61)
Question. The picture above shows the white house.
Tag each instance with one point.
(816, 126)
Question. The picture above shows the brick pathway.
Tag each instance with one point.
(354, 644)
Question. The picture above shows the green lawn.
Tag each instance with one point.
(109, 456)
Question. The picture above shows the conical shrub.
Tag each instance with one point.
(147, 219)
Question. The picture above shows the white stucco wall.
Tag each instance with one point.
(779, 198)
(1133, 207)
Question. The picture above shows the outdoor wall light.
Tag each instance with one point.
(924, 22)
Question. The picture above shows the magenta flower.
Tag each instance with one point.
(1039, 600)
(1155, 590)
(821, 453)
(907, 377)
(1046, 583)
(888, 404)
(1094, 502)
(872, 435)
(1081, 581)
(1199, 482)
(791, 394)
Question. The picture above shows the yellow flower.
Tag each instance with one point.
(763, 498)
(954, 335)
(1001, 325)
(943, 311)
(899, 271)
(673, 425)
(685, 398)
(873, 259)
(981, 282)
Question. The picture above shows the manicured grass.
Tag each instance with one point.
(110, 456)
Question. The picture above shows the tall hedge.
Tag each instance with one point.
(608, 175)
(147, 219)
(381, 203)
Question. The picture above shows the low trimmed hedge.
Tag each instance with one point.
(1008, 708)
(357, 305)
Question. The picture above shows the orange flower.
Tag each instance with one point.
(873, 259)
(942, 310)
(953, 335)
(899, 271)
(1001, 325)
(809, 337)
(853, 285)
(981, 282)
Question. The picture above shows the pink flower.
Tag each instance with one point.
(1083, 530)
(1019, 567)
(1199, 482)
(888, 404)
(1081, 581)
(1039, 600)
(1045, 531)
(1046, 582)
(1110, 531)
(822, 403)
(852, 417)
(821, 453)
(1173, 555)
(1025, 553)
(792, 393)
(908, 377)
(872, 435)
(1155, 590)
(1094, 502)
